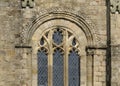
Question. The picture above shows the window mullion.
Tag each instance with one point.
(66, 59)
(50, 60)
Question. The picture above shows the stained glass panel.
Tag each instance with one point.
(74, 68)
(42, 68)
(58, 36)
(74, 42)
(42, 41)
(58, 68)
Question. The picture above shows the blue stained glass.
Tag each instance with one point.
(74, 68)
(58, 68)
(57, 36)
(42, 68)
(74, 42)
(42, 41)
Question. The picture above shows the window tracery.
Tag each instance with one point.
(61, 46)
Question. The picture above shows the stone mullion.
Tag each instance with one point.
(50, 60)
(66, 59)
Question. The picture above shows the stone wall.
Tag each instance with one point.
(115, 39)
(9, 28)
(15, 66)
(99, 68)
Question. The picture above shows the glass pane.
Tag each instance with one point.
(58, 68)
(42, 68)
(74, 42)
(74, 68)
(58, 36)
(42, 41)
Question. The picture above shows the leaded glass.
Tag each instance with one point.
(58, 36)
(54, 42)
(42, 41)
(74, 68)
(74, 42)
(58, 68)
(42, 67)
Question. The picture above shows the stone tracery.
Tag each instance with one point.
(58, 39)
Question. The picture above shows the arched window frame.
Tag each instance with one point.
(66, 45)
(71, 21)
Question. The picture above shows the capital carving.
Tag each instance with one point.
(115, 6)
(27, 3)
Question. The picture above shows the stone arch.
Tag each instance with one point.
(70, 21)
(64, 15)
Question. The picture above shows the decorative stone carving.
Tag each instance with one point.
(27, 3)
(115, 6)
(27, 32)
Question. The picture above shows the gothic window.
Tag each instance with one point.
(60, 48)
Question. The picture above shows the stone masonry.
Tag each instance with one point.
(22, 23)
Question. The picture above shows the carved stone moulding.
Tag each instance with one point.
(115, 6)
(27, 3)
(55, 13)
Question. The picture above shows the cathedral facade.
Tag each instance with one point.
(59, 42)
